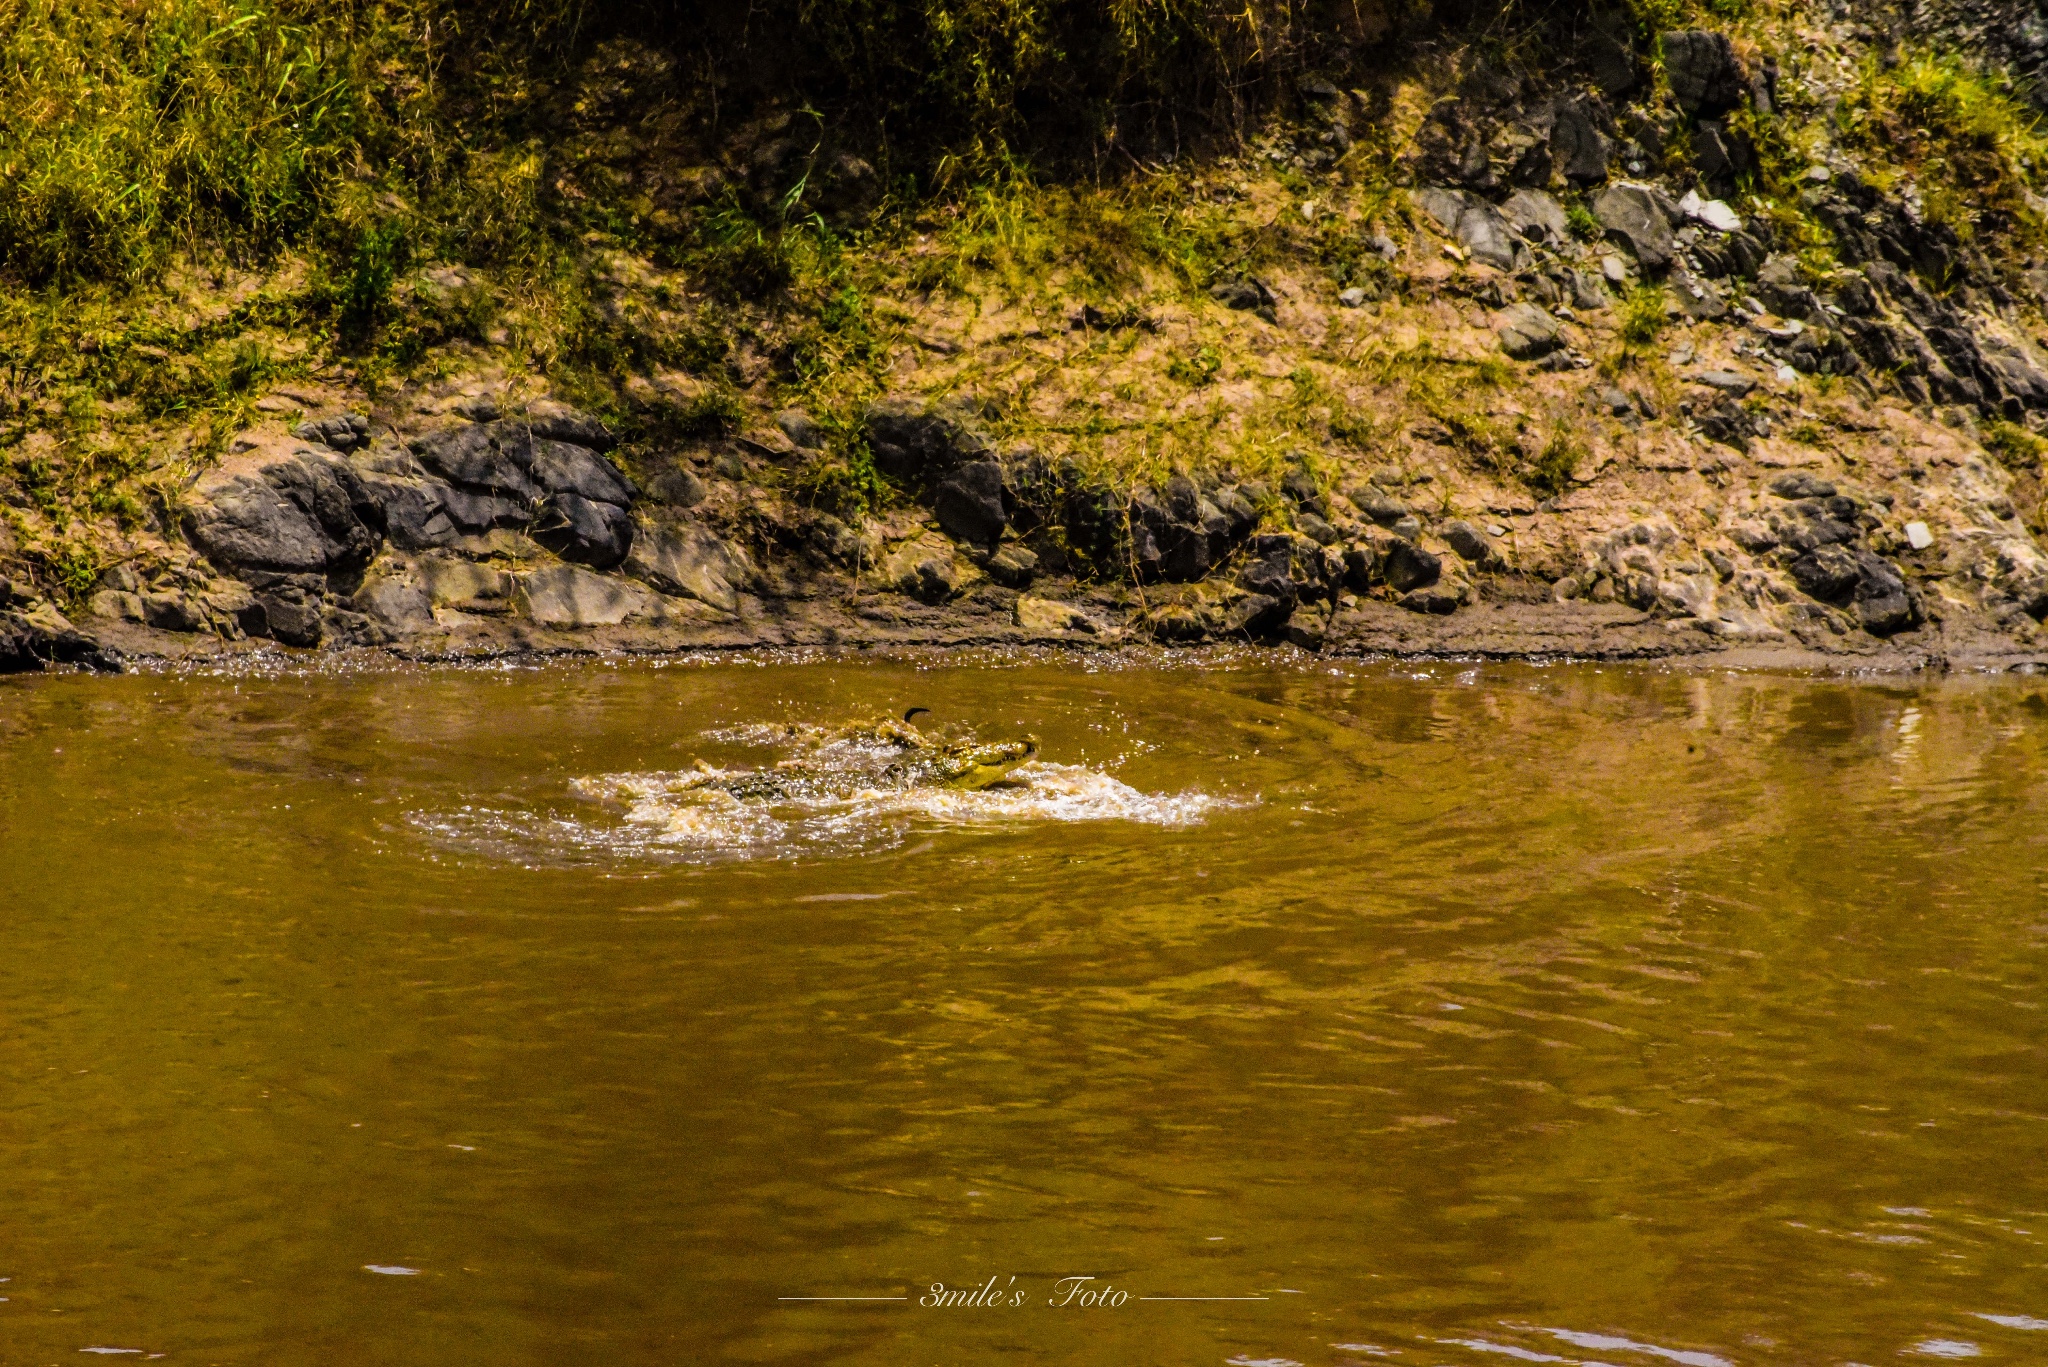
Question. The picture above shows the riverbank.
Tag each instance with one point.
(1682, 342)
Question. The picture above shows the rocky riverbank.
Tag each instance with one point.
(1584, 385)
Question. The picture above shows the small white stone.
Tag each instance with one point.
(1918, 537)
(1786, 374)
(1717, 215)
(1614, 270)
(1495, 529)
(1352, 298)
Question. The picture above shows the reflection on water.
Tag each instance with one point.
(1331, 1014)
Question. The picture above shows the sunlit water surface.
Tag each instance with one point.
(1431, 1015)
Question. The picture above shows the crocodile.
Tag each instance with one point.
(961, 765)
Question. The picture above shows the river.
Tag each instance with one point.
(1427, 1014)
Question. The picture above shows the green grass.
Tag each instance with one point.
(1968, 138)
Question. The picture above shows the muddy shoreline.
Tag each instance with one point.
(1547, 633)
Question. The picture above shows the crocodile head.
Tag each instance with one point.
(973, 767)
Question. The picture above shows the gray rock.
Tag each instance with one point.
(1468, 541)
(1477, 225)
(969, 503)
(474, 512)
(803, 430)
(690, 561)
(464, 584)
(1589, 290)
(1527, 332)
(303, 513)
(1303, 635)
(494, 456)
(1013, 566)
(1720, 155)
(1727, 381)
(415, 515)
(1537, 216)
(1827, 573)
(341, 432)
(116, 605)
(171, 612)
(393, 603)
(559, 422)
(1380, 508)
(1270, 572)
(1315, 529)
(1361, 566)
(565, 596)
(1258, 615)
(289, 618)
(1631, 214)
(911, 441)
(1579, 149)
(1800, 484)
(583, 531)
(1707, 80)
(235, 604)
(1407, 566)
(1430, 599)
(562, 468)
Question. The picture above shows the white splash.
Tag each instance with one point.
(670, 815)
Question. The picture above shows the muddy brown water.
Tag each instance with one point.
(1423, 1014)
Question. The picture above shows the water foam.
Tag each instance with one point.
(669, 815)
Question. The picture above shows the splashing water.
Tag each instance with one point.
(668, 815)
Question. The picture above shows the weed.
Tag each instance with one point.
(1580, 221)
(1642, 315)
(716, 412)
(1550, 473)
(1196, 369)
(2015, 447)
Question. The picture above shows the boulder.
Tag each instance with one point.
(31, 641)
(394, 603)
(1258, 615)
(300, 513)
(1406, 566)
(969, 503)
(563, 468)
(465, 584)
(496, 457)
(172, 612)
(1707, 79)
(690, 561)
(583, 531)
(1721, 155)
(1477, 225)
(342, 432)
(1013, 567)
(1578, 148)
(1433, 600)
(1270, 572)
(416, 516)
(115, 605)
(805, 432)
(1537, 216)
(566, 596)
(1527, 332)
(235, 604)
(559, 422)
(913, 442)
(290, 616)
(1634, 215)
(1046, 616)
(1468, 541)
(1800, 484)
